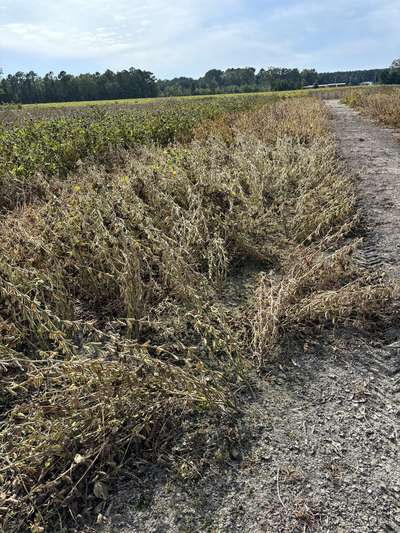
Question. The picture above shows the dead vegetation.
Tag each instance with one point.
(113, 328)
(383, 105)
(318, 290)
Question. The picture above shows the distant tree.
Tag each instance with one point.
(391, 76)
(309, 76)
(2, 89)
(396, 64)
(213, 78)
(239, 76)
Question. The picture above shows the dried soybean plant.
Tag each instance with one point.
(113, 327)
(380, 103)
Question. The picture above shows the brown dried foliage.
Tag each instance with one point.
(112, 325)
(381, 104)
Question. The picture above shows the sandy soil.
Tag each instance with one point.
(319, 444)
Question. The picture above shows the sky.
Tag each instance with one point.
(188, 37)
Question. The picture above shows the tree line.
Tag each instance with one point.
(135, 83)
(29, 88)
(236, 80)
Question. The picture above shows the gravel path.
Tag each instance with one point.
(320, 444)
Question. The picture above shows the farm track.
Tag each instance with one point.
(373, 154)
(320, 444)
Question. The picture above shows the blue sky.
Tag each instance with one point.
(188, 37)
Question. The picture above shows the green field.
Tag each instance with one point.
(135, 101)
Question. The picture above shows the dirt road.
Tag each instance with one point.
(373, 155)
(321, 448)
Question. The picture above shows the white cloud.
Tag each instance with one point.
(53, 43)
(190, 36)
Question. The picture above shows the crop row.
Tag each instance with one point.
(36, 147)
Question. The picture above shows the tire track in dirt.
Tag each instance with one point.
(321, 443)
